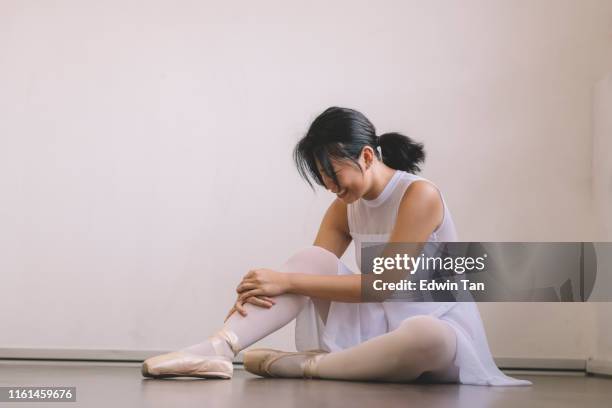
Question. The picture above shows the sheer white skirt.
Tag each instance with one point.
(349, 324)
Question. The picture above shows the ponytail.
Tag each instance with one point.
(401, 153)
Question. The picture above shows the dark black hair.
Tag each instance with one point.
(342, 133)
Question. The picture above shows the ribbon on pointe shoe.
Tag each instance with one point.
(311, 364)
(229, 337)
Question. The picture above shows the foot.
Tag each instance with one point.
(210, 359)
(222, 343)
(276, 363)
(181, 364)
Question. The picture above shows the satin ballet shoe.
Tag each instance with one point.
(184, 364)
(258, 361)
(181, 364)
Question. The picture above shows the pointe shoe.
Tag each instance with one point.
(181, 364)
(258, 361)
(184, 364)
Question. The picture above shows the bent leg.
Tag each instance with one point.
(420, 345)
(260, 321)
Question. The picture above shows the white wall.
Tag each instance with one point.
(145, 149)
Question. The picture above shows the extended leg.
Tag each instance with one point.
(418, 345)
(421, 345)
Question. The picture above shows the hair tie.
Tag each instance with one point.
(379, 150)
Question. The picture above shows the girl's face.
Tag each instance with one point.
(352, 183)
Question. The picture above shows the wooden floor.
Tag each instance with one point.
(118, 385)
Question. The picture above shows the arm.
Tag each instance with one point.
(334, 236)
(419, 214)
(333, 232)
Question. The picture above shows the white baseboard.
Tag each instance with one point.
(84, 354)
(599, 366)
(556, 373)
(561, 364)
(77, 354)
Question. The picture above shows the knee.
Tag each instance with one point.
(317, 251)
(313, 259)
(430, 339)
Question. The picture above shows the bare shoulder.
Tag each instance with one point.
(337, 212)
(422, 193)
(421, 208)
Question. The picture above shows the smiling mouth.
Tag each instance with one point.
(342, 194)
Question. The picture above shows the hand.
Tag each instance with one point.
(261, 301)
(263, 282)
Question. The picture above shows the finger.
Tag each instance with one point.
(245, 286)
(259, 302)
(248, 283)
(244, 296)
(265, 299)
(233, 309)
(250, 293)
(240, 308)
(243, 280)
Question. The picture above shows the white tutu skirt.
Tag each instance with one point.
(349, 324)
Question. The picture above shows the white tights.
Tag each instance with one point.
(422, 347)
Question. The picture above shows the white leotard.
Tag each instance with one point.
(373, 220)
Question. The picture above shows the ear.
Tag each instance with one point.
(368, 156)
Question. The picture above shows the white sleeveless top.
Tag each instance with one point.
(373, 220)
(349, 324)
